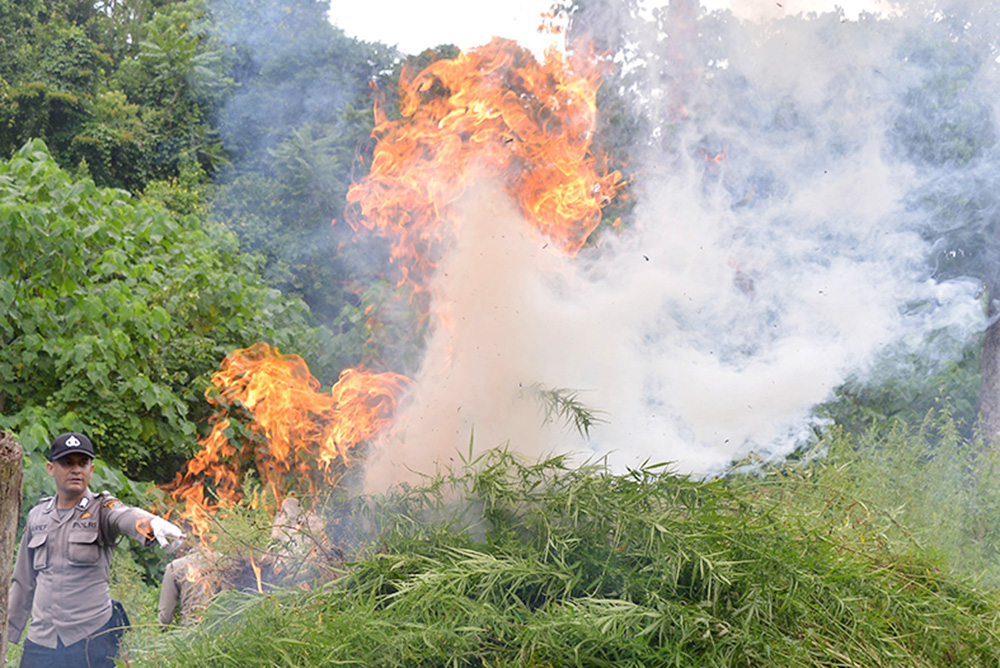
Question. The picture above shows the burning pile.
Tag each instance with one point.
(495, 110)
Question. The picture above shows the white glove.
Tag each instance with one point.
(163, 530)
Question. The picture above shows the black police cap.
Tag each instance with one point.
(66, 444)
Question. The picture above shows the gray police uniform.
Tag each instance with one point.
(61, 575)
(185, 582)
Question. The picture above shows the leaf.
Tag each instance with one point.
(92, 307)
(149, 397)
(7, 294)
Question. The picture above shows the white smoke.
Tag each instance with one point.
(748, 288)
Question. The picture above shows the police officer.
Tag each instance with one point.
(188, 582)
(61, 574)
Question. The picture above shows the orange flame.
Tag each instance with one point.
(144, 527)
(497, 108)
(299, 439)
(256, 574)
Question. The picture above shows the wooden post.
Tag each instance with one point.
(11, 454)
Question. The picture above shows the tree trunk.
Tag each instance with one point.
(11, 454)
(989, 383)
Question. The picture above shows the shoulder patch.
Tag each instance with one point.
(112, 503)
(43, 505)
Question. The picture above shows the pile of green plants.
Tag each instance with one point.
(919, 485)
(510, 563)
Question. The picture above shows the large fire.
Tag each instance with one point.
(498, 109)
(299, 439)
(494, 110)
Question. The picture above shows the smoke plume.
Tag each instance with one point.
(782, 242)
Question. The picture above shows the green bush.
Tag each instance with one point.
(115, 312)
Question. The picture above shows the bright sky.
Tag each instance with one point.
(414, 25)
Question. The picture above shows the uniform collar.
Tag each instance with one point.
(85, 500)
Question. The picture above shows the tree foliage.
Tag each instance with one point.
(300, 116)
(178, 79)
(121, 91)
(114, 313)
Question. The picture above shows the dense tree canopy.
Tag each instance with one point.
(122, 92)
(299, 117)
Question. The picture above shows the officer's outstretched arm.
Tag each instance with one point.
(145, 527)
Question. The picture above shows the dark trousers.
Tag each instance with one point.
(96, 651)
